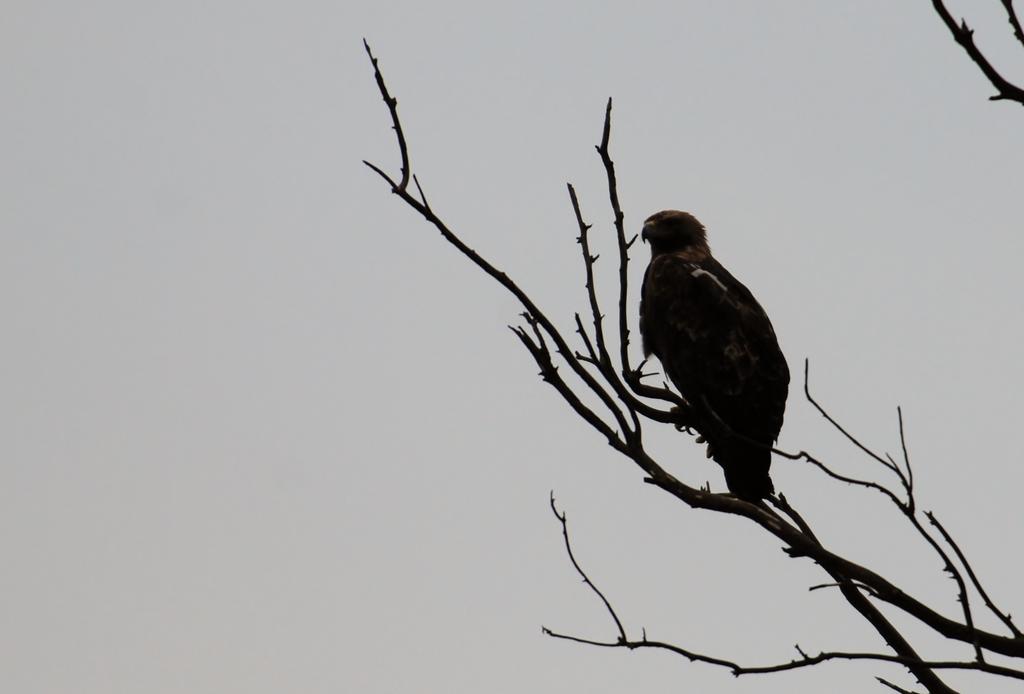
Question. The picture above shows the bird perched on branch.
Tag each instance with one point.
(717, 346)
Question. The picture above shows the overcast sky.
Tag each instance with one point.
(263, 431)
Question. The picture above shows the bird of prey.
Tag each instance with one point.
(717, 346)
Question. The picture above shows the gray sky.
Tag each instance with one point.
(263, 431)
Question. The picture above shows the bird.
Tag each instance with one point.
(717, 347)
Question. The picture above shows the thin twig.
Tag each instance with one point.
(895, 688)
(629, 374)
(839, 427)
(950, 568)
(803, 661)
(620, 235)
(909, 479)
(860, 586)
(964, 35)
(392, 103)
(586, 579)
(1004, 617)
(549, 373)
(588, 268)
(604, 359)
(582, 332)
(1011, 15)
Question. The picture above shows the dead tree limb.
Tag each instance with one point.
(964, 35)
(624, 402)
(805, 660)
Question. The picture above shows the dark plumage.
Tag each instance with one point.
(717, 346)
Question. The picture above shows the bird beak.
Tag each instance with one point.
(643, 234)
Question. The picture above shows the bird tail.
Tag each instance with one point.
(746, 469)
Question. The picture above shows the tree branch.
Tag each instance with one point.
(602, 357)
(964, 35)
(586, 579)
(627, 404)
(1004, 617)
(549, 373)
(1011, 16)
(921, 668)
(392, 104)
(889, 465)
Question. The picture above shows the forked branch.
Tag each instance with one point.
(964, 35)
(622, 639)
(606, 391)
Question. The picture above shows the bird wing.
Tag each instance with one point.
(715, 343)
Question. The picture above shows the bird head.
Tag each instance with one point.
(671, 230)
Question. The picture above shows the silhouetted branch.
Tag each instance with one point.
(632, 376)
(908, 481)
(427, 212)
(620, 236)
(586, 579)
(622, 399)
(591, 356)
(805, 660)
(549, 373)
(396, 124)
(964, 35)
(598, 350)
(588, 268)
(1011, 15)
(907, 508)
(850, 437)
(1004, 617)
(895, 688)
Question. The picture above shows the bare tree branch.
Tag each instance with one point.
(908, 481)
(588, 266)
(805, 660)
(568, 550)
(599, 349)
(907, 507)
(1004, 617)
(421, 206)
(392, 103)
(895, 688)
(631, 375)
(620, 235)
(1011, 15)
(850, 437)
(964, 35)
(549, 373)
(624, 399)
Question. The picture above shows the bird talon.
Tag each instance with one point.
(679, 415)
